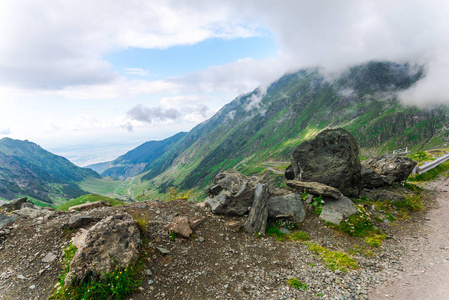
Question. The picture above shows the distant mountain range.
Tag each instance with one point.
(248, 133)
(265, 125)
(27, 169)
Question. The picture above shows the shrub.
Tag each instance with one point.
(359, 224)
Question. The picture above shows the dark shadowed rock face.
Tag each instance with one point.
(392, 168)
(286, 207)
(257, 219)
(332, 159)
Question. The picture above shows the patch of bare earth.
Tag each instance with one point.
(216, 262)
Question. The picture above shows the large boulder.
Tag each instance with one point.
(371, 179)
(335, 211)
(232, 194)
(391, 168)
(257, 219)
(315, 188)
(114, 241)
(332, 158)
(286, 207)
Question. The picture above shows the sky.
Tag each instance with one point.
(90, 80)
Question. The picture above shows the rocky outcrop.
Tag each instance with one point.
(331, 159)
(114, 240)
(335, 211)
(232, 193)
(371, 179)
(79, 221)
(286, 207)
(88, 206)
(315, 188)
(15, 204)
(391, 168)
(257, 219)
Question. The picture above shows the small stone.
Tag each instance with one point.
(32, 287)
(20, 276)
(49, 257)
(163, 250)
(148, 272)
(150, 282)
(201, 239)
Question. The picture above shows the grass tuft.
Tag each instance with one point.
(334, 260)
(296, 283)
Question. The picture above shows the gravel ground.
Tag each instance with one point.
(219, 262)
(425, 272)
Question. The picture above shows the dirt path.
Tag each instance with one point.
(426, 264)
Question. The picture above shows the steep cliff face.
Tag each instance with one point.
(268, 123)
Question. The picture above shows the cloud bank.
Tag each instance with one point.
(58, 48)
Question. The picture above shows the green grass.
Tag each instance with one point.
(273, 230)
(375, 240)
(90, 198)
(102, 186)
(115, 285)
(296, 283)
(431, 174)
(334, 260)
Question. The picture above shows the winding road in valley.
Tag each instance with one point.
(426, 263)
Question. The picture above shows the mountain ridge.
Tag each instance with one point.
(26, 169)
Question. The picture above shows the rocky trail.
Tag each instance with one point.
(425, 272)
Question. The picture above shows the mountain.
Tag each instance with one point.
(141, 158)
(28, 170)
(99, 167)
(266, 124)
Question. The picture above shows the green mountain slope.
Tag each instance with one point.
(141, 158)
(266, 126)
(27, 169)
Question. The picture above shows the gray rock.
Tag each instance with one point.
(371, 179)
(287, 207)
(15, 204)
(331, 159)
(382, 195)
(315, 188)
(236, 193)
(114, 241)
(6, 220)
(392, 168)
(257, 219)
(79, 221)
(32, 213)
(163, 251)
(50, 257)
(336, 211)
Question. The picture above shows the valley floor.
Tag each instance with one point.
(425, 271)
